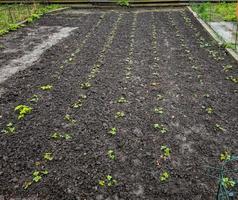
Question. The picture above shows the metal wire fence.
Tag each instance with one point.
(222, 17)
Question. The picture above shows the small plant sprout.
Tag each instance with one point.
(219, 127)
(164, 176)
(122, 100)
(158, 110)
(36, 177)
(34, 99)
(209, 110)
(46, 87)
(68, 118)
(23, 110)
(161, 128)
(10, 129)
(111, 154)
(228, 182)
(227, 68)
(113, 131)
(82, 96)
(109, 181)
(48, 156)
(225, 156)
(233, 79)
(166, 152)
(77, 104)
(159, 97)
(57, 136)
(120, 114)
(85, 85)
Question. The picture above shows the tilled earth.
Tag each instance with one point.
(153, 58)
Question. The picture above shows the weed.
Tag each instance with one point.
(120, 115)
(123, 2)
(33, 99)
(225, 156)
(68, 118)
(48, 156)
(122, 100)
(23, 110)
(164, 176)
(166, 152)
(113, 131)
(161, 128)
(111, 154)
(85, 85)
(46, 87)
(10, 128)
(158, 110)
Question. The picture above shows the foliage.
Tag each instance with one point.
(160, 127)
(120, 114)
(113, 131)
(10, 128)
(164, 176)
(23, 110)
(123, 2)
(109, 181)
(46, 87)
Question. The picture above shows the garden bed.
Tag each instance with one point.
(133, 104)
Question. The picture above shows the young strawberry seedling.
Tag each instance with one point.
(77, 104)
(159, 97)
(23, 110)
(225, 156)
(227, 68)
(10, 129)
(122, 100)
(113, 131)
(218, 127)
(85, 85)
(68, 118)
(164, 176)
(33, 99)
(158, 110)
(209, 110)
(46, 87)
(160, 127)
(57, 136)
(233, 79)
(228, 182)
(48, 156)
(111, 154)
(166, 152)
(108, 181)
(36, 177)
(120, 114)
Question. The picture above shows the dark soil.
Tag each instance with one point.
(137, 54)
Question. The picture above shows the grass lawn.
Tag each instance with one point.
(216, 12)
(10, 15)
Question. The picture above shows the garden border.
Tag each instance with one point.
(213, 34)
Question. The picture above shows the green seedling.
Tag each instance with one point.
(109, 181)
(166, 152)
(23, 110)
(57, 136)
(10, 129)
(218, 127)
(48, 156)
(82, 96)
(209, 110)
(111, 154)
(122, 100)
(161, 128)
(159, 97)
(85, 85)
(46, 87)
(77, 104)
(206, 95)
(36, 177)
(113, 131)
(68, 118)
(227, 68)
(34, 99)
(233, 79)
(164, 176)
(225, 156)
(228, 182)
(120, 115)
(158, 110)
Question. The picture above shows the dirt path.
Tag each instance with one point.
(124, 83)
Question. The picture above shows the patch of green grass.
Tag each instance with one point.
(216, 12)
